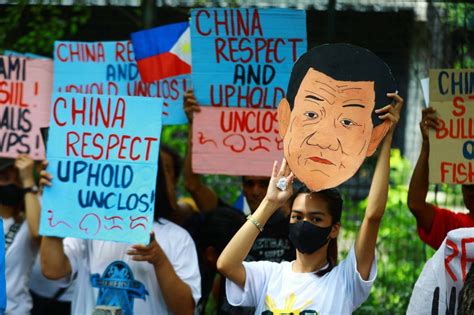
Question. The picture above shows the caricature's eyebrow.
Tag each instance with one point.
(317, 97)
(354, 105)
(314, 97)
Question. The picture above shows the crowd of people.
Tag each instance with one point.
(274, 253)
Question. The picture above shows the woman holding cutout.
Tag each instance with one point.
(314, 283)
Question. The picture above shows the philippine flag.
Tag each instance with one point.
(163, 51)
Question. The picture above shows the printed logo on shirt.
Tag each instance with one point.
(117, 287)
(289, 307)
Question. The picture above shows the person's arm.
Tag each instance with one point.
(206, 199)
(230, 262)
(25, 166)
(377, 199)
(54, 262)
(177, 294)
(422, 210)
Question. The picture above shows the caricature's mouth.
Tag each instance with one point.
(321, 160)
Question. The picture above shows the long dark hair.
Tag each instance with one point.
(333, 199)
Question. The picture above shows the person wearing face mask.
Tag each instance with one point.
(314, 283)
(19, 208)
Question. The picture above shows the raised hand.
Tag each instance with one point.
(429, 119)
(151, 253)
(25, 165)
(275, 194)
(191, 105)
(392, 111)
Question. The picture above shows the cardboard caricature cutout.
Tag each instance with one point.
(327, 119)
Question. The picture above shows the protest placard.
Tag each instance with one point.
(437, 290)
(25, 96)
(244, 57)
(452, 144)
(109, 68)
(246, 141)
(103, 156)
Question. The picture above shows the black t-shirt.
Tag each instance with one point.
(273, 244)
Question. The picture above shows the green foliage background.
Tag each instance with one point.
(401, 255)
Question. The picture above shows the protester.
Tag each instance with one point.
(217, 229)
(313, 282)
(434, 223)
(444, 283)
(49, 296)
(159, 278)
(19, 208)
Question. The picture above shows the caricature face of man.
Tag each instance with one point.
(329, 131)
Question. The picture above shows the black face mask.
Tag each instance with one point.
(307, 237)
(11, 195)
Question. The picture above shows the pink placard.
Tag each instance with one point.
(25, 97)
(236, 141)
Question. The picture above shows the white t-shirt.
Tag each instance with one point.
(274, 287)
(46, 288)
(106, 275)
(19, 260)
(437, 289)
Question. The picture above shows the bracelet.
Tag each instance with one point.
(257, 224)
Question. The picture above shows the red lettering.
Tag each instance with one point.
(58, 52)
(149, 141)
(294, 41)
(260, 44)
(75, 111)
(111, 143)
(260, 145)
(448, 259)
(198, 25)
(123, 147)
(458, 102)
(132, 144)
(55, 111)
(98, 146)
(464, 257)
(256, 23)
(84, 144)
(70, 144)
(119, 50)
(223, 22)
(444, 170)
(441, 131)
(220, 44)
(238, 145)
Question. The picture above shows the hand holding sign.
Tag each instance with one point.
(25, 165)
(151, 253)
(105, 166)
(191, 105)
(452, 143)
(327, 118)
(429, 119)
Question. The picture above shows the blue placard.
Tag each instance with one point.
(244, 57)
(109, 68)
(103, 156)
